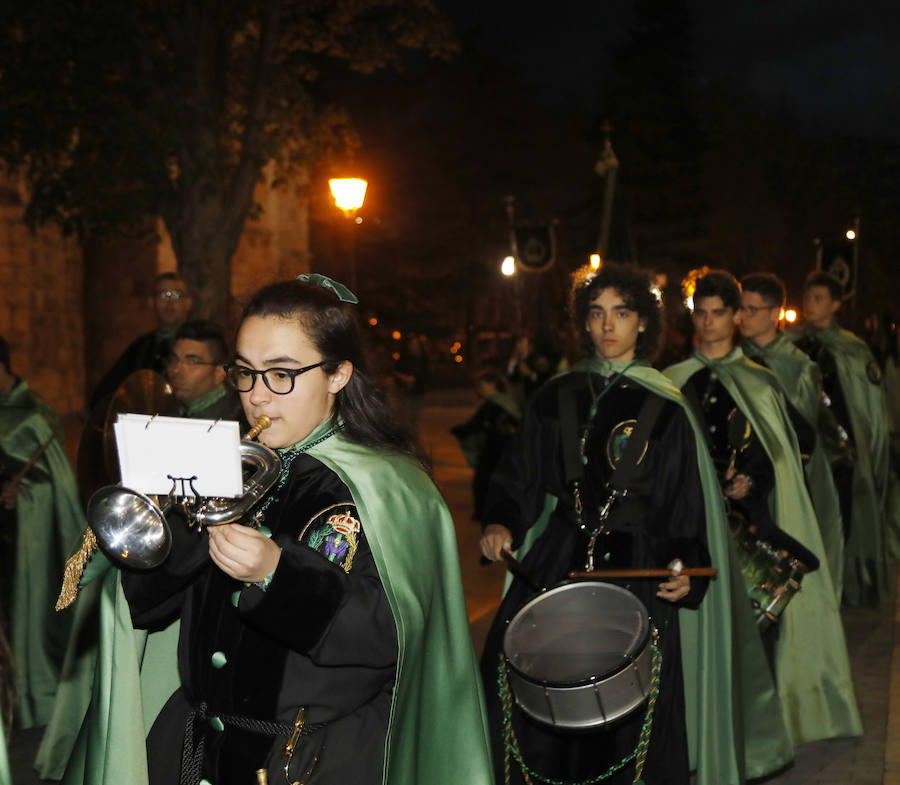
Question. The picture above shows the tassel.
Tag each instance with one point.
(74, 570)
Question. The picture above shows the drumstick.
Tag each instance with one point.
(705, 572)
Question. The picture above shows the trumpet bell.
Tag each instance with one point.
(130, 527)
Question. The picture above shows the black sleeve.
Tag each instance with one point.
(155, 596)
(315, 607)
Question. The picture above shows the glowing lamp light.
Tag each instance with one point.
(689, 302)
(349, 192)
(596, 261)
(850, 234)
(396, 355)
(456, 347)
(373, 321)
(396, 335)
(508, 267)
(458, 358)
(790, 315)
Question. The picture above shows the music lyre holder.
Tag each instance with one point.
(183, 480)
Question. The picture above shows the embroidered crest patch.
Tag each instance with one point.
(334, 532)
(618, 440)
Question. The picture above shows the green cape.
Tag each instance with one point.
(812, 669)
(866, 578)
(5, 776)
(438, 726)
(115, 680)
(734, 719)
(49, 521)
(801, 382)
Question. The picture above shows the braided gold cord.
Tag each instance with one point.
(74, 569)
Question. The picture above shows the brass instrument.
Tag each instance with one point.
(131, 528)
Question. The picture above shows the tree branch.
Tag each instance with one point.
(251, 159)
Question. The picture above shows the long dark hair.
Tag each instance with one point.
(332, 327)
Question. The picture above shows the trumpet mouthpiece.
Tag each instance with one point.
(262, 423)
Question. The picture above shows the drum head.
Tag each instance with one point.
(576, 632)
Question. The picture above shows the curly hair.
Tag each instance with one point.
(636, 289)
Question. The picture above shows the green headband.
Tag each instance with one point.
(342, 292)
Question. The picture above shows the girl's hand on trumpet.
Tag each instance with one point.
(243, 553)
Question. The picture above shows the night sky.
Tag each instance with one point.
(830, 64)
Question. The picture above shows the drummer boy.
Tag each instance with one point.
(604, 474)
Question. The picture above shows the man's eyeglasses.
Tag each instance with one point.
(170, 294)
(190, 361)
(279, 380)
(752, 310)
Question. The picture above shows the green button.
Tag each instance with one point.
(217, 723)
(235, 597)
(219, 659)
(265, 530)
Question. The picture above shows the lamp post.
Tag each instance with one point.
(349, 194)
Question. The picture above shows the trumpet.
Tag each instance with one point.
(131, 527)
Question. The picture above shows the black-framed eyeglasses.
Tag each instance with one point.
(752, 310)
(279, 380)
(191, 362)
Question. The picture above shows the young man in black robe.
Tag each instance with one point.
(594, 410)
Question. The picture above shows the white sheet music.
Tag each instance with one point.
(152, 449)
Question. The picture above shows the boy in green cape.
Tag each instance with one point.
(762, 300)
(852, 382)
(763, 476)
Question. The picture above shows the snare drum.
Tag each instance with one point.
(579, 655)
(772, 574)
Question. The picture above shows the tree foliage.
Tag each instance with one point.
(119, 111)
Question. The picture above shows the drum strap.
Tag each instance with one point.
(572, 441)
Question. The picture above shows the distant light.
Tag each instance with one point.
(790, 315)
(396, 335)
(850, 234)
(349, 192)
(373, 321)
(456, 347)
(458, 358)
(358, 219)
(689, 302)
(657, 293)
(781, 315)
(596, 261)
(508, 267)
(396, 355)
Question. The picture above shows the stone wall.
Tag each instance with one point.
(69, 311)
(41, 304)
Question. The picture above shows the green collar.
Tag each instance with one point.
(206, 400)
(734, 356)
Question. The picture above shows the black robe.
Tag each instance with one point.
(661, 518)
(321, 636)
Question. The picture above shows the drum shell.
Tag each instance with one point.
(593, 702)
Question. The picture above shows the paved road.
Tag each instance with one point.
(873, 638)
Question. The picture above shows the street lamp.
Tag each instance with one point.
(349, 194)
(508, 266)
